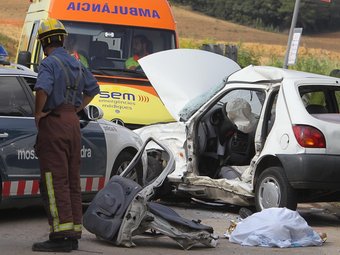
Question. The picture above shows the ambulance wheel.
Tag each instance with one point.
(273, 190)
(122, 161)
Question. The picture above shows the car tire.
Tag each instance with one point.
(121, 162)
(273, 190)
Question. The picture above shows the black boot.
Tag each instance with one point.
(55, 245)
(74, 243)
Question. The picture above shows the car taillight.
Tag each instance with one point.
(309, 137)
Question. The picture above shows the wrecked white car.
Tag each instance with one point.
(260, 136)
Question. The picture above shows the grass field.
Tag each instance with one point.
(320, 51)
(194, 29)
(198, 26)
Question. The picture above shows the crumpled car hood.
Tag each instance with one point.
(181, 75)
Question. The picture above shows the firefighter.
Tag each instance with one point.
(63, 88)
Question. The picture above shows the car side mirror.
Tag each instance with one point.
(24, 58)
(93, 112)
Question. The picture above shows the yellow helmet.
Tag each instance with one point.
(51, 30)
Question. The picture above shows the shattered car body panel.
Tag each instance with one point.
(124, 208)
(172, 135)
(221, 190)
(275, 162)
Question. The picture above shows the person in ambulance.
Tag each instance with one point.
(63, 88)
(72, 47)
(141, 47)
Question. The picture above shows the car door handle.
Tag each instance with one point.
(3, 135)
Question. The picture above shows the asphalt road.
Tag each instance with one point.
(21, 227)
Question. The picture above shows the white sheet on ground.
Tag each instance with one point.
(275, 227)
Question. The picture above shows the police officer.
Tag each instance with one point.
(63, 88)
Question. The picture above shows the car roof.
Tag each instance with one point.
(263, 74)
(15, 69)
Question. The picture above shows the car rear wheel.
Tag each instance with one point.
(122, 161)
(273, 190)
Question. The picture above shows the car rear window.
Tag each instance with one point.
(320, 99)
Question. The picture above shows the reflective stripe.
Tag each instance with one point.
(57, 227)
(14, 188)
(51, 199)
(91, 184)
(77, 228)
(64, 227)
(20, 188)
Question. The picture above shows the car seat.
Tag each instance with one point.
(99, 55)
(316, 109)
(123, 209)
(114, 54)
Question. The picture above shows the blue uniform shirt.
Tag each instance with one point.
(52, 79)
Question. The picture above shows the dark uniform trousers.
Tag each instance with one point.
(58, 150)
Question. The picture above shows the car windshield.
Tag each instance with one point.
(105, 48)
(189, 109)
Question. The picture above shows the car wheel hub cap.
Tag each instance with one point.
(269, 193)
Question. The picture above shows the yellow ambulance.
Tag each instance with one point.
(102, 34)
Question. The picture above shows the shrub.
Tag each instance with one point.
(247, 57)
(10, 45)
(312, 64)
(312, 60)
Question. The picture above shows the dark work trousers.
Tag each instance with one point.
(58, 150)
